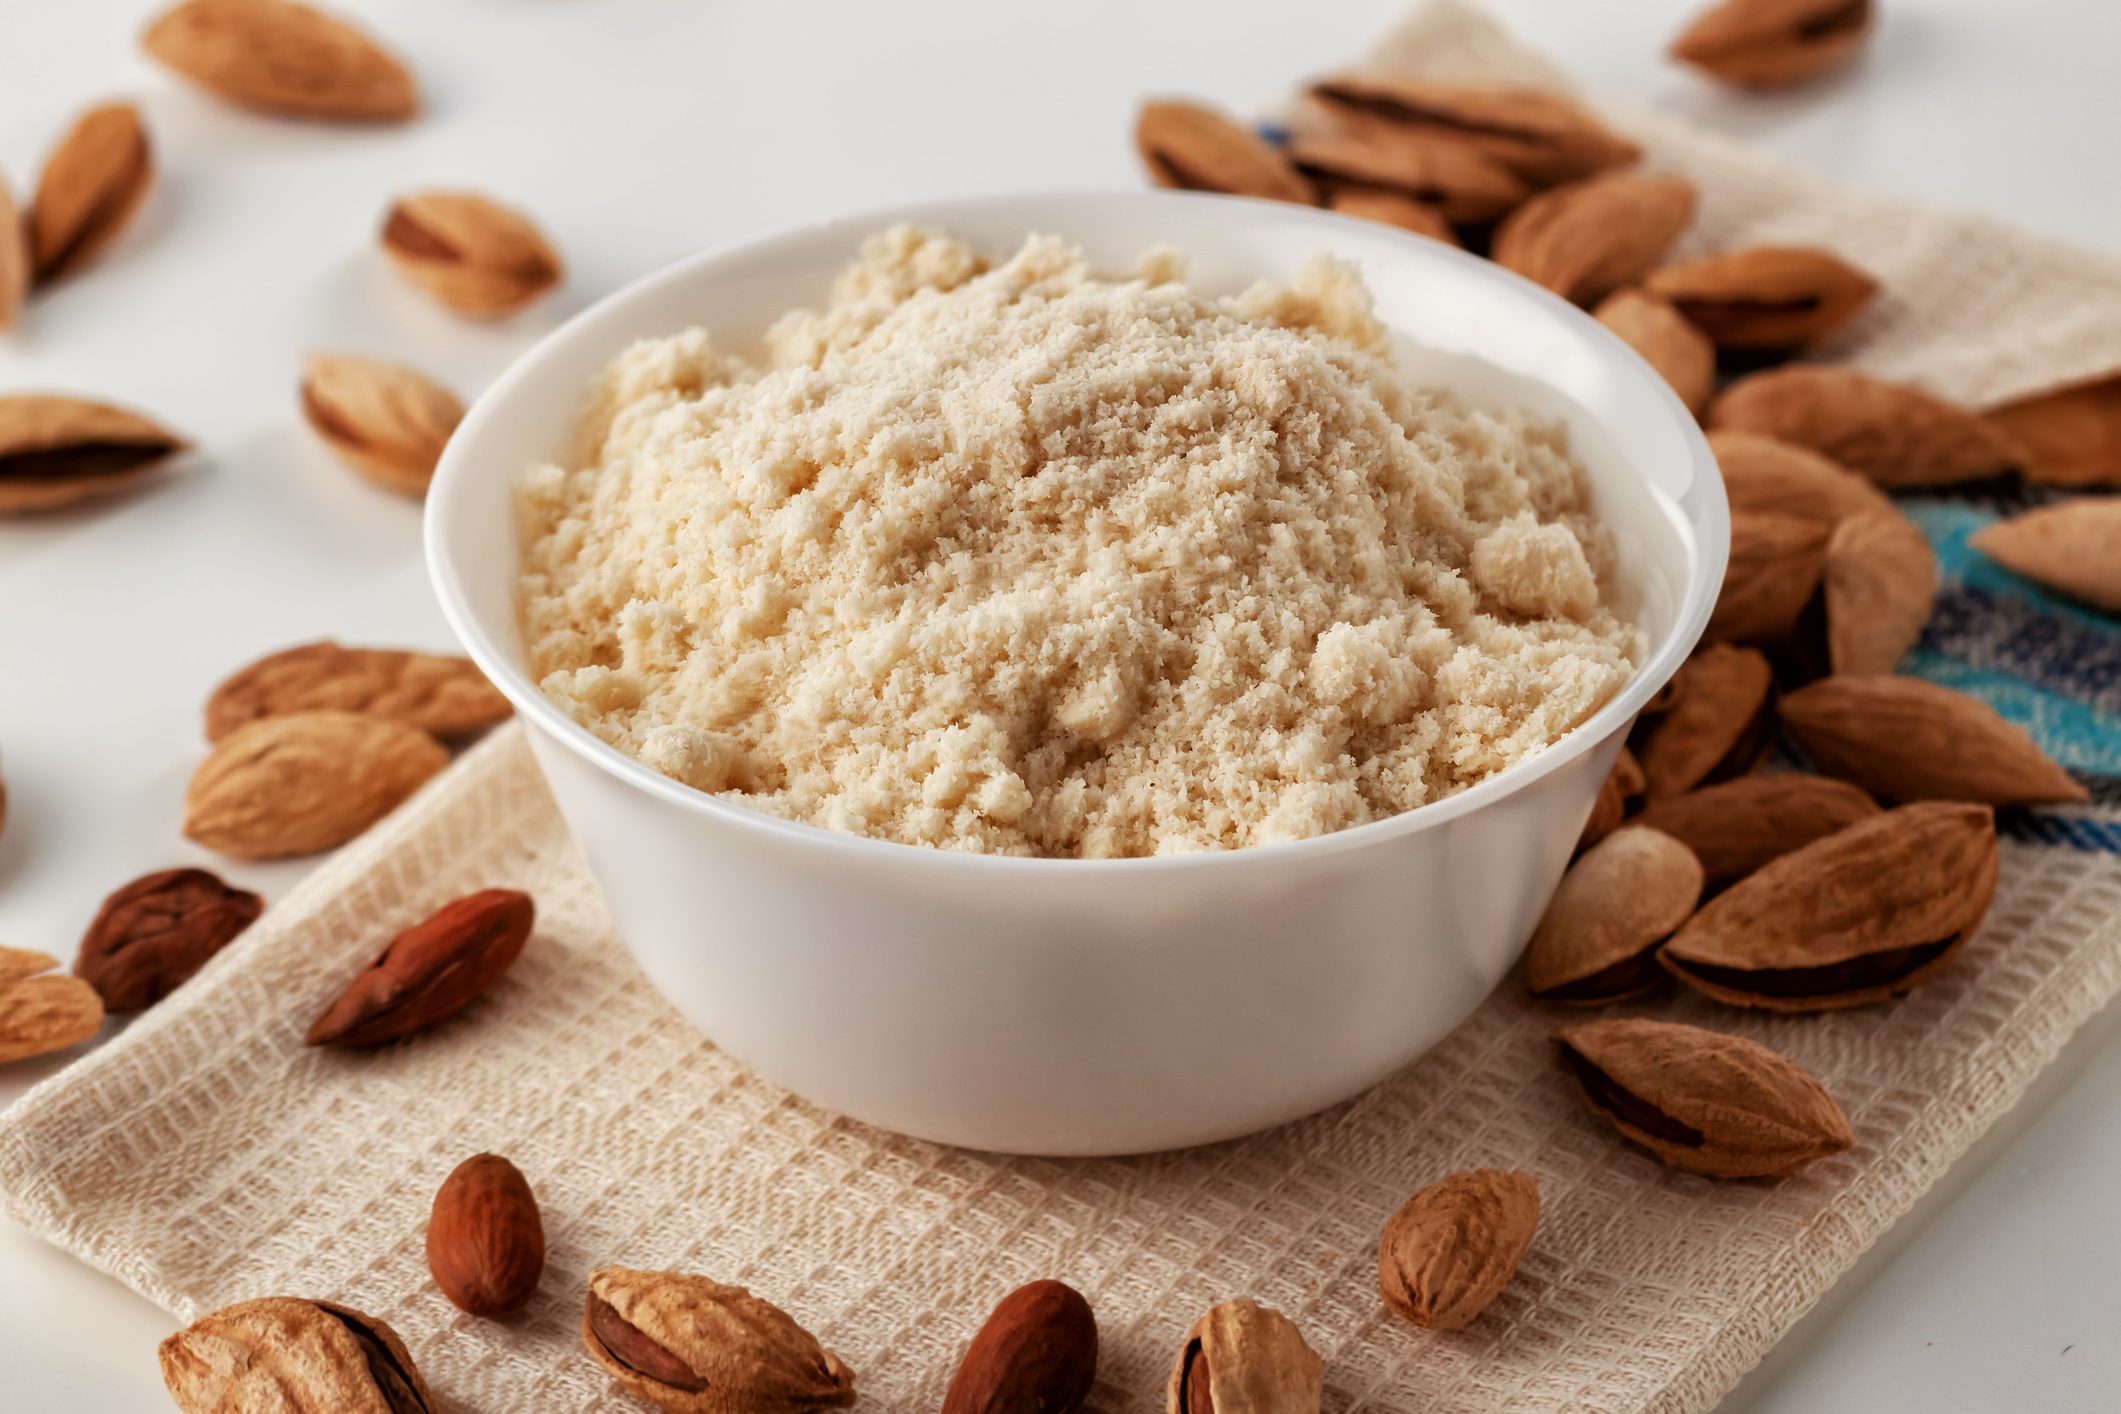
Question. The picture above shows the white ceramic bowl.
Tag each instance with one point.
(1072, 1006)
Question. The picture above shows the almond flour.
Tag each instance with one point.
(1029, 560)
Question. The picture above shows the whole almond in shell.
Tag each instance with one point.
(1765, 475)
(470, 252)
(2074, 547)
(280, 57)
(41, 1011)
(1766, 44)
(152, 935)
(291, 1356)
(1858, 916)
(305, 782)
(384, 420)
(485, 1240)
(1191, 148)
(429, 972)
(1765, 297)
(1721, 722)
(1452, 1247)
(1598, 939)
(445, 696)
(685, 1343)
(1667, 340)
(1896, 435)
(1541, 136)
(1735, 827)
(1906, 739)
(24, 962)
(1036, 1351)
(1452, 177)
(92, 184)
(1881, 585)
(15, 259)
(1703, 1102)
(1389, 207)
(1586, 240)
(1245, 1358)
(2071, 436)
(1772, 572)
(55, 451)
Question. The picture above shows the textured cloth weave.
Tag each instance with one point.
(206, 1156)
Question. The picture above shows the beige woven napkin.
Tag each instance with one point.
(206, 1156)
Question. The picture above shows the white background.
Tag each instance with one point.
(639, 130)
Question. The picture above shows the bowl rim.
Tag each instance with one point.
(455, 470)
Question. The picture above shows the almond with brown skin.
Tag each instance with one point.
(279, 57)
(1766, 297)
(152, 935)
(15, 259)
(1720, 725)
(1622, 784)
(1245, 1358)
(92, 184)
(685, 1343)
(384, 420)
(1682, 355)
(304, 782)
(42, 1011)
(1703, 1102)
(1450, 176)
(1191, 148)
(1773, 569)
(1598, 939)
(485, 1240)
(2071, 436)
(1541, 136)
(1389, 207)
(1881, 584)
(1586, 240)
(1766, 44)
(1897, 436)
(292, 1356)
(1906, 739)
(56, 451)
(1451, 1248)
(444, 696)
(1037, 1351)
(429, 972)
(1735, 827)
(1765, 475)
(2074, 547)
(470, 252)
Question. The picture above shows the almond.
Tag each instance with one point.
(1451, 1248)
(305, 782)
(686, 1343)
(429, 972)
(41, 1011)
(1245, 1358)
(1765, 297)
(1720, 723)
(444, 696)
(485, 1241)
(1907, 739)
(1736, 826)
(1766, 475)
(292, 1356)
(1037, 1351)
(1897, 436)
(279, 57)
(55, 451)
(1193, 148)
(1389, 207)
(1610, 806)
(1541, 136)
(1450, 176)
(1881, 584)
(1706, 1103)
(471, 253)
(92, 184)
(2074, 547)
(1682, 355)
(1586, 240)
(2071, 436)
(152, 935)
(24, 962)
(1598, 939)
(382, 419)
(1773, 570)
(16, 260)
(1764, 44)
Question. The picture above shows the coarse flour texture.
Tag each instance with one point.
(1025, 559)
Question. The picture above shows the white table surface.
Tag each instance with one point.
(638, 130)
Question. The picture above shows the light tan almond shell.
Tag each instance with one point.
(448, 697)
(15, 259)
(1257, 1362)
(1737, 826)
(1452, 1247)
(1897, 436)
(2071, 436)
(46, 1013)
(384, 420)
(1766, 44)
(1719, 724)
(1451, 176)
(1881, 584)
(1765, 297)
(1667, 340)
(2074, 547)
(1907, 739)
(305, 782)
(1586, 240)
(55, 451)
(1857, 916)
(281, 1353)
(750, 1354)
(1770, 577)
(1191, 148)
(1541, 136)
(276, 56)
(24, 962)
(1617, 902)
(1372, 204)
(470, 252)
(1761, 474)
(1704, 1102)
(92, 184)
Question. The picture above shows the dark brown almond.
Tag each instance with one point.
(1771, 575)
(2074, 548)
(1192, 148)
(1389, 207)
(1881, 584)
(1735, 827)
(1452, 1247)
(2071, 436)
(1906, 739)
(1765, 297)
(1586, 240)
(1598, 938)
(152, 935)
(1761, 474)
(485, 1239)
(1766, 44)
(1682, 355)
(1450, 176)
(1720, 724)
(1896, 435)
(56, 451)
(444, 696)
(276, 56)
(92, 184)
(1036, 1351)
(1541, 136)
(429, 972)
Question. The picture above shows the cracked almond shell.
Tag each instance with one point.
(1735, 827)
(1598, 939)
(55, 451)
(1880, 580)
(284, 786)
(91, 185)
(1896, 435)
(1245, 1358)
(1765, 297)
(1767, 44)
(1191, 148)
(1541, 136)
(1610, 807)
(1450, 176)
(1667, 340)
(280, 57)
(469, 251)
(42, 1011)
(445, 696)
(1863, 914)
(1772, 572)
(291, 1356)
(1452, 1247)
(2071, 435)
(1906, 739)
(687, 1344)
(1586, 240)
(1720, 723)
(2074, 548)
